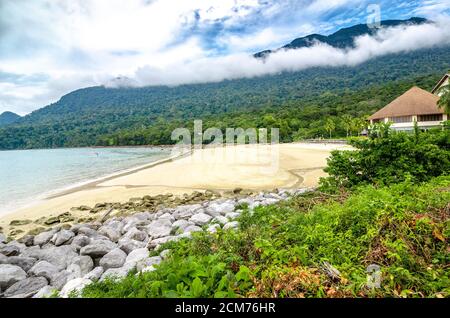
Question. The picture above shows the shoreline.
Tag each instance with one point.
(93, 183)
(78, 186)
(300, 165)
(92, 147)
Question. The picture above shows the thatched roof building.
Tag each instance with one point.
(416, 101)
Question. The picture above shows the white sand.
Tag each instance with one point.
(255, 167)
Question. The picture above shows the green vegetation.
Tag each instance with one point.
(444, 102)
(7, 118)
(297, 103)
(391, 158)
(293, 249)
(279, 250)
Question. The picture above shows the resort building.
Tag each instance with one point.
(416, 105)
(443, 82)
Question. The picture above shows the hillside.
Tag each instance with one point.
(8, 118)
(343, 38)
(136, 116)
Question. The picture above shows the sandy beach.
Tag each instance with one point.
(250, 167)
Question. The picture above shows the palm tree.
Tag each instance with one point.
(444, 101)
(359, 124)
(347, 122)
(330, 126)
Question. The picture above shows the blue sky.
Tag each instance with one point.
(50, 47)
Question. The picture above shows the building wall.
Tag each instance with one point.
(410, 125)
(445, 84)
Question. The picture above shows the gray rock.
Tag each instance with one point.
(247, 201)
(85, 262)
(184, 235)
(254, 205)
(114, 259)
(87, 232)
(17, 244)
(148, 269)
(2, 238)
(95, 274)
(3, 259)
(80, 241)
(10, 274)
(192, 228)
(200, 218)
(130, 222)
(44, 237)
(186, 211)
(60, 279)
(45, 292)
(156, 243)
(135, 234)
(221, 220)
(74, 270)
(116, 273)
(167, 216)
(213, 228)
(114, 224)
(111, 233)
(23, 262)
(164, 254)
(98, 248)
(222, 208)
(74, 286)
(28, 240)
(274, 196)
(212, 212)
(143, 216)
(9, 250)
(74, 228)
(232, 215)
(268, 202)
(63, 237)
(128, 245)
(231, 225)
(26, 288)
(159, 228)
(181, 224)
(146, 262)
(135, 256)
(95, 225)
(33, 251)
(60, 256)
(44, 269)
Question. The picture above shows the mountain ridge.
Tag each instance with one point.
(343, 38)
(88, 116)
(7, 118)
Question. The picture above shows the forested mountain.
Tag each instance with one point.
(296, 102)
(7, 118)
(343, 38)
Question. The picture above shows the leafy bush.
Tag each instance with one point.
(390, 157)
(280, 250)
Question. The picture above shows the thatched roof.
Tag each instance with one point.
(439, 84)
(416, 101)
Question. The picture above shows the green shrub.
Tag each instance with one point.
(388, 158)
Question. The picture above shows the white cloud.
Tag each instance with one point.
(387, 41)
(81, 43)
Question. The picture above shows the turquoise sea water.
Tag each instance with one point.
(27, 175)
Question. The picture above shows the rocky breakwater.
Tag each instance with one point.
(65, 259)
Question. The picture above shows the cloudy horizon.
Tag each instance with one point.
(49, 48)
